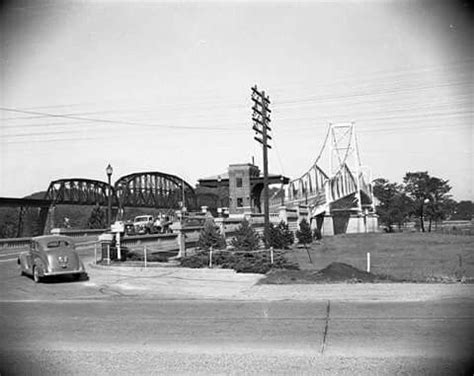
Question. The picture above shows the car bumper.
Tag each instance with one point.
(63, 272)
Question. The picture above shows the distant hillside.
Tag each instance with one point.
(37, 195)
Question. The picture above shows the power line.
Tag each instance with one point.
(108, 121)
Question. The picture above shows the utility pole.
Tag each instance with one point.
(261, 118)
(183, 208)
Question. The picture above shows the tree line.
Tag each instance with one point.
(421, 197)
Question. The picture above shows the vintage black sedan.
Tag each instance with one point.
(51, 255)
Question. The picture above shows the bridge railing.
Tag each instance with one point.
(18, 243)
(73, 233)
(14, 243)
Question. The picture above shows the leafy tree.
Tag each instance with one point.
(304, 234)
(210, 237)
(395, 205)
(246, 238)
(430, 196)
(463, 210)
(280, 236)
(439, 205)
(8, 227)
(97, 218)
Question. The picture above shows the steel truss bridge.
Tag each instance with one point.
(336, 180)
(143, 189)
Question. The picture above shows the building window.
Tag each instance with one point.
(240, 202)
(238, 182)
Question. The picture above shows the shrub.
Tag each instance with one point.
(241, 262)
(210, 237)
(317, 234)
(198, 260)
(245, 239)
(280, 236)
(150, 257)
(304, 234)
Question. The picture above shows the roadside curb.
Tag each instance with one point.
(138, 266)
(158, 268)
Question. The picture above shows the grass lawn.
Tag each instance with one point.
(422, 257)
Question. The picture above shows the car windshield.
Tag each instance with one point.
(57, 244)
(141, 219)
(194, 221)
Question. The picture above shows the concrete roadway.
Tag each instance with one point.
(123, 325)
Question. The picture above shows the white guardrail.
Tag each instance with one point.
(16, 243)
(191, 235)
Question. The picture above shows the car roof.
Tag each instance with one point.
(45, 239)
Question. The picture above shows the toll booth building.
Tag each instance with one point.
(243, 185)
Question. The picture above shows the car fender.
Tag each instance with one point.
(42, 262)
(23, 262)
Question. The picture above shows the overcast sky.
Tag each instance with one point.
(148, 86)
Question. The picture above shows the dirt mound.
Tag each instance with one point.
(338, 271)
(335, 272)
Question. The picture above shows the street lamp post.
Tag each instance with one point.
(219, 179)
(109, 170)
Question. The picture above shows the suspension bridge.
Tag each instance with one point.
(336, 189)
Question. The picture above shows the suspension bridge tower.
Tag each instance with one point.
(337, 188)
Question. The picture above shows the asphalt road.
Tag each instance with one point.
(75, 328)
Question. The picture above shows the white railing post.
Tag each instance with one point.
(144, 255)
(368, 262)
(271, 255)
(119, 251)
(210, 257)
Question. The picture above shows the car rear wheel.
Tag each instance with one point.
(37, 274)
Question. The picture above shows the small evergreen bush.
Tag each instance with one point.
(198, 260)
(304, 234)
(280, 237)
(246, 238)
(210, 237)
(150, 257)
(241, 262)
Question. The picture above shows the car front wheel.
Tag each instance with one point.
(37, 274)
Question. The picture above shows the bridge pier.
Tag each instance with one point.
(372, 222)
(360, 223)
(356, 224)
(327, 227)
(49, 220)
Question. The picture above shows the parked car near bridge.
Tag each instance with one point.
(51, 255)
(143, 224)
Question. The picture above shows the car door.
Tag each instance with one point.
(36, 253)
